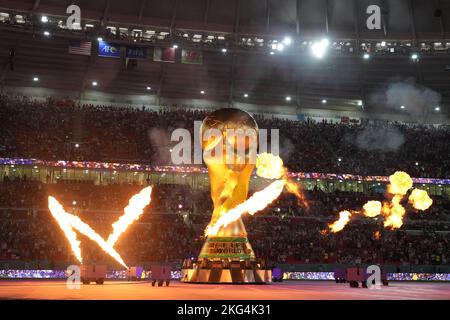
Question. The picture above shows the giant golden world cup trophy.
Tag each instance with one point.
(229, 142)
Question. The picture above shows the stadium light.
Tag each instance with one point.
(339, 159)
(44, 19)
(74, 203)
(99, 39)
(35, 79)
(324, 101)
(437, 109)
(360, 103)
(319, 48)
(245, 95)
(46, 33)
(202, 92)
(272, 53)
(288, 98)
(414, 56)
(402, 107)
(94, 83)
(77, 145)
(366, 56)
(224, 50)
(280, 47)
(175, 46)
(287, 41)
(149, 88)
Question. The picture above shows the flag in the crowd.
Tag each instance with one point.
(80, 47)
(164, 54)
(106, 49)
(345, 120)
(133, 52)
(191, 56)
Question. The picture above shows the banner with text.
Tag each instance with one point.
(133, 52)
(106, 49)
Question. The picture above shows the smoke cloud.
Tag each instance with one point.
(380, 138)
(160, 141)
(286, 149)
(418, 100)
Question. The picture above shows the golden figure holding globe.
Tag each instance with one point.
(229, 143)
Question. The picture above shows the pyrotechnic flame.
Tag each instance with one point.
(69, 220)
(401, 182)
(57, 211)
(294, 188)
(269, 166)
(420, 199)
(133, 212)
(386, 209)
(393, 212)
(257, 202)
(377, 235)
(372, 209)
(394, 218)
(338, 225)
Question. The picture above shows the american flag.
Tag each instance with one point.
(80, 47)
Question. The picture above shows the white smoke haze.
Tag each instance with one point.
(286, 149)
(387, 139)
(160, 141)
(417, 99)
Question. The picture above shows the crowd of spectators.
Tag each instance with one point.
(172, 226)
(292, 240)
(62, 130)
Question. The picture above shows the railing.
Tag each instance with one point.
(388, 268)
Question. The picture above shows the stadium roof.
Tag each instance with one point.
(249, 30)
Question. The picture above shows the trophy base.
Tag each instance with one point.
(224, 271)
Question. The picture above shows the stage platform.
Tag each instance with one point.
(288, 290)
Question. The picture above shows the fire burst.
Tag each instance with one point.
(69, 222)
(338, 225)
(133, 212)
(392, 211)
(270, 167)
(257, 202)
(420, 199)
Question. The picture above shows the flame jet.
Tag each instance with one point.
(68, 222)
(269, 167)
(133, 212)
(420, 199)
(392, 211)
(257, 202)
(272, 167)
